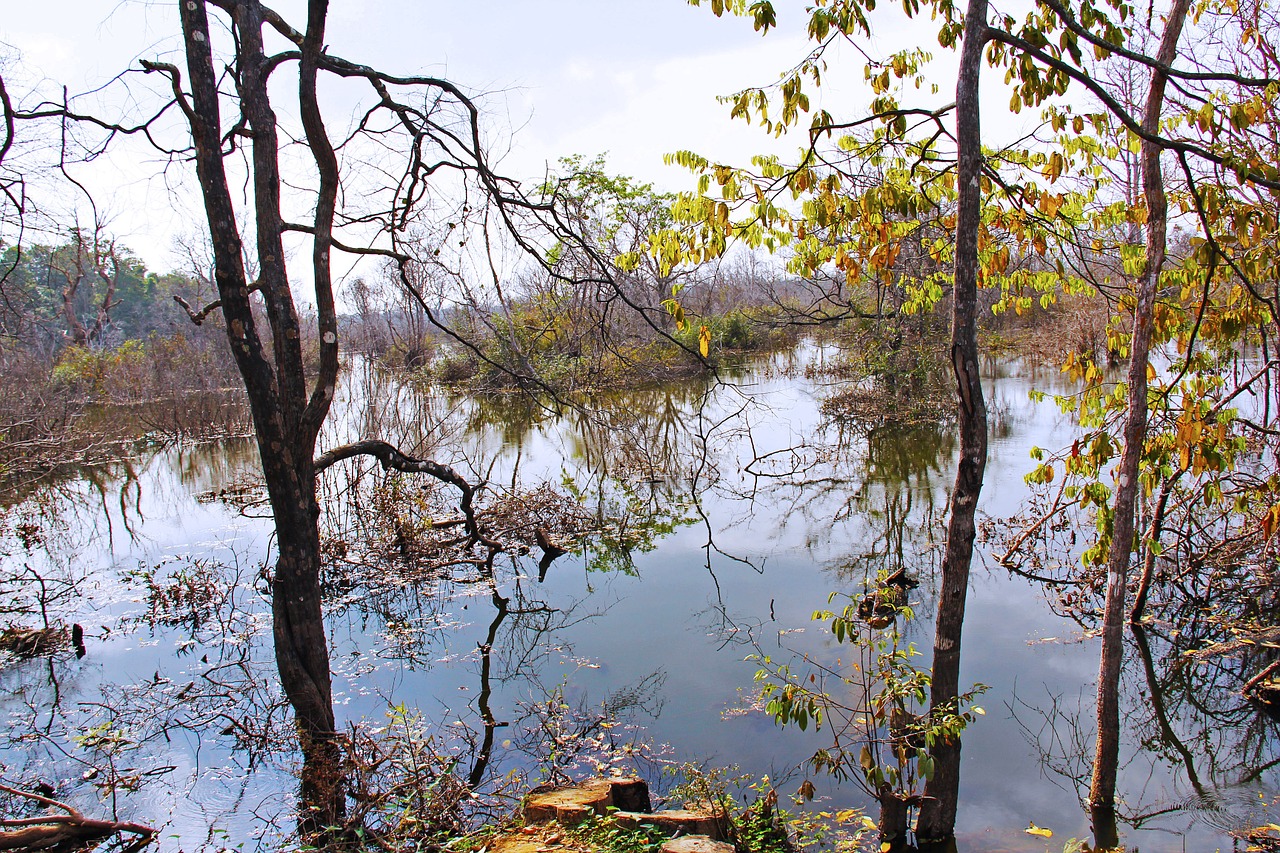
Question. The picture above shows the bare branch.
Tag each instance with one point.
(72, 829)
(1126, 118)
(1064, 14)
(392, 458)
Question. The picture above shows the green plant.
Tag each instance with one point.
(99, 371)
(406, 790)
(603, 834)
(763, 825)
(873, 703)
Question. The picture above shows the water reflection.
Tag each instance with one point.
(699, 518)
(1186, 715)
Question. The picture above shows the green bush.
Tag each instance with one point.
(99, 371)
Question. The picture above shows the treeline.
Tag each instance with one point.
(562, 336)
(596, 310)
(88, 291)
(85, 329)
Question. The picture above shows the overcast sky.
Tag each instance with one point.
(637, 79)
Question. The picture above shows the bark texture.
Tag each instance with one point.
(936, 825)
(1102, 787)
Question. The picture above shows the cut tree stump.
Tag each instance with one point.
(708, 822)
(574, 804)
(627, 802)
(696, 844)
(630, 795)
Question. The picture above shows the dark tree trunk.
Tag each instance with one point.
(285, 422)
(289, 407)
(892, 826)
(302, 656)
(1102, 789)
(937, 820)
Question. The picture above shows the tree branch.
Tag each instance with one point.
(392, 458)
(198, 317)
(1131, 124)
(1064, 14)
(70, 829)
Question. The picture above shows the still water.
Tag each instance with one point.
(734, 515)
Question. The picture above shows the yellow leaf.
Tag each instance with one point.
(1032, 829)
(885, 847)
(704, 341)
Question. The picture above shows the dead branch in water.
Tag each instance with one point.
(392, 458)
(50, 831)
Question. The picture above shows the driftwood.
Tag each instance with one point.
(548, 545)
(1264, 692)
(63, 831)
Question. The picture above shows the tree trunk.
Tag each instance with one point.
(937, 821)
(893, 822)
(285, 422)
(302, 656)
(1102, 788)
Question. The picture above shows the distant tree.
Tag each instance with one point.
(95, 276)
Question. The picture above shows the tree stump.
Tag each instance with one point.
(710, 822)
(630, 795)
(696, 844)
(575, 803)
(569, 805)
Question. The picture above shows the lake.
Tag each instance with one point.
(729, 512)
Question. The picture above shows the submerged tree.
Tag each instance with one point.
(1194, 313)
(1106, 759)
(288, 410)
(868, 231)
(241, 59)
(406, 182)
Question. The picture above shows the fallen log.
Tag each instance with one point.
(63, 831)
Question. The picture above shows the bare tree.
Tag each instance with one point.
(90, 269)
(429, 192)
(439, 125)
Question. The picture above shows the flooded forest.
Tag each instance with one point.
(912, 486)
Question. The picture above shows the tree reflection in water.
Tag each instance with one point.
(887, 483)
(220, 698)
(177, 711)
(1200, 632)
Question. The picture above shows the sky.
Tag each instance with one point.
(635, 79)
